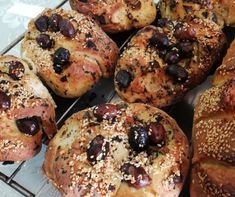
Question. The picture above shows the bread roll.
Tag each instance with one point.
(226, 71)
(26, 111)
(118, 150)
(69, 51)
(160, 64)
(213, 163)
(221, 12)
(119, 15)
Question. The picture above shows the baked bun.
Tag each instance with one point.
(213, 172)
(119, 15)
(226, 71)
(118, 150)
(160, 64)
(221, 12)
(26, 111)
(69, 51)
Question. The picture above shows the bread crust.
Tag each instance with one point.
(92, 54)
(66, 159)
(117, 16)
(213, 142)
(220, 12)
(226, 71)
(28, 98)
(150, 83)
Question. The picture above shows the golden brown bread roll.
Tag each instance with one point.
(119, 15)
(160, 64)
(221, 12)
(118, 150)
(226, 71)
(213, 163)
(69, 51)
(26, 111)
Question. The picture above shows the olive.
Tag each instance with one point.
(157, 133)
(61, 56)
(16, 70)
(105, 111)
(5, 101)
(123, 78)
(98, 149)
(57, 68)
(159, 39)
(100, 19)
(185, 49)
(177, 178)
(140, 176)
(54, 21)
(67, 28)
(28, 125)
(172, 57)
(44, 41)
(184, 32)
(162, 22)
(138, 138)
(42, 23)
(177, 72)
(91, 45)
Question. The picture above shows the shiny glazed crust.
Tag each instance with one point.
(92, 55)
(150, 82)
(221, 12)
(213, 142)
(226, 71)
(28, 98)
(67, 166)
(119, 15)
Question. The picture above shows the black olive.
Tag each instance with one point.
(162, 22)
(91, 45)
(16, 70)
(105, 111)
(42, 23)
(157, 133)
(61, 56)
(138, 138)
(67, 28)
(98, 149)
(57, 68)
(184, 32)
(159, 39)
(5, 101)
(45, 41)
(28, 126)
(177, 72)
(54, 21)
(100, 19)
(140, 176)
(172, 57)
(123, 78)
(185, 49)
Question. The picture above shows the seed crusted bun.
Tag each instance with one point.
(160, 64)
(69, 51)
(26, 110)
(119, 15)
(118, 150)
(213, 172)
(226, 71)
(221, 12)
